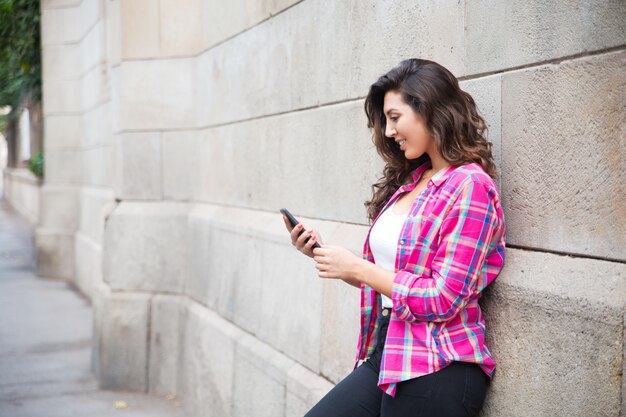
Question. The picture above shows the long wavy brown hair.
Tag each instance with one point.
(451, 117)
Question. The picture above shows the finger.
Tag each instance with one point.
(319, 251)
(322, 251)
(295, 232)
(310, 243)
(287, 223)
(301, 240)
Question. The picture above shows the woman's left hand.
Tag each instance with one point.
(335, 262)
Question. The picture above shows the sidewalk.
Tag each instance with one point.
(45, 342)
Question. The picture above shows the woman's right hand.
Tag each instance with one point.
(298, 238)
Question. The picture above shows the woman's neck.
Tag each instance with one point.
(437, 163)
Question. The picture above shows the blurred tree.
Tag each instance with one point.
(20, 65)
(20, 52)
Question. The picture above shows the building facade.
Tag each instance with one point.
(175, 130)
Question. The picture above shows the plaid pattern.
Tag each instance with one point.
(450, 249)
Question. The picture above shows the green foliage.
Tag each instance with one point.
(20, 52)
(35, 164)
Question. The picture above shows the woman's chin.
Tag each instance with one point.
(408, 154)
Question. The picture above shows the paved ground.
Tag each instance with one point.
(45, 342)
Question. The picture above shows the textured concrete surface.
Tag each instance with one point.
(164, 344)
(292, 161)
(123, 360)
(244, 68)
(519, 32)
(231, 373)
(564, 177)
(45, 342)
(138, 174)
(557, 336)
(144, 246)
(21, 188)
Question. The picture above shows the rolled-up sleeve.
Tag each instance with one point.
(464, 241)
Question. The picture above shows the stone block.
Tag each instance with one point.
(181, 164)
(563, 176)
(123, 360)
(224, 20)
(144, 247)
(199, 245)
(99, 166)
(551, 323)
(157, 94)
(180, 27)
(312, 53)
(138, 159)
(243, 266)
(259, 385)
(291, 299)
(87, 263)
(229, 272)
(304, 390)
(303, 179)
(60, 206)
(74, 24)
(164, 341)
(487, 93)
(97, 126)
(341, 311)
(206, 361)
(95, 203)
(100, 292)
(63, 166)
(89, 13)
(139, 29)
(62, 131)
(61, 61)
(22, 191)
(92, 47)
(507, 34)
(61, 96)
(52, 26)
(95, 86)
(54, 252)
(113, 32)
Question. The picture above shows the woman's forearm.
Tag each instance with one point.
(373, 276)
(352, 281)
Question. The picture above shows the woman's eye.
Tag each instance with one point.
(394, 118)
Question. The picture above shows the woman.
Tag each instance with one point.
(436, 241)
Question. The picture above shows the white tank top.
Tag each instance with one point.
(384, 242)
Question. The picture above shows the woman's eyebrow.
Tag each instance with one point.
(389, 111)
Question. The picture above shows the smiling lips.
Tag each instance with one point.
(401, 143)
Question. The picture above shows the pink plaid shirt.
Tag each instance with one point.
(450, 249)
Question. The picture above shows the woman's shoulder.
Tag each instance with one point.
(463, 175)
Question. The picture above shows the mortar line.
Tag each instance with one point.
(568, 254)
(554, 61)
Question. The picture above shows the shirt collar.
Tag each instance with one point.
(438, 179)
(441, 176)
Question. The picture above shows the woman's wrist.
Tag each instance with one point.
(359, 270)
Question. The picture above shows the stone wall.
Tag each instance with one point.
(20, 188)
(175, 130)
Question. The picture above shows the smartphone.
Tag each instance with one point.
(295, 222)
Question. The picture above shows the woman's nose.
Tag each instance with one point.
(390, 132)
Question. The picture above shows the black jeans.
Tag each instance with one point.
(457, 390)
